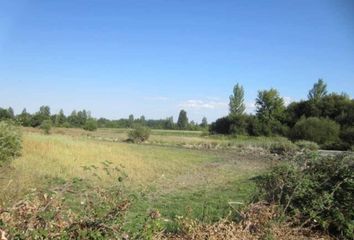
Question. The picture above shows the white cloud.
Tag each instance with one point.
(203, 104)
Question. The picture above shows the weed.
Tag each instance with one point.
(315, 191)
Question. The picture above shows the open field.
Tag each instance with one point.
(174, 179)
(175, 138)
(173, 186)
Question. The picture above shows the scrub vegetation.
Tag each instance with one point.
(244, 176)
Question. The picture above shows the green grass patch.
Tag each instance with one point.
(207, 205)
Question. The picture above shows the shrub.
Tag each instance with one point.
(347, 135)
(66, 125)
(221, 126)
(90, 125)
(238, 125)
(46, 126)
(61, 211)
(307, 145)
(314, 191)
(139, 134)
(10, 142)
(337, 145)
(254, 126)
(314, 129)
(283, 147)
(267, 128)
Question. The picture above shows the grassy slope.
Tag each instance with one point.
(177, 181)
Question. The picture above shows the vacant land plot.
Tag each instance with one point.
(186, 139)
(174, 179)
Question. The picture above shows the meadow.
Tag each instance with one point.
(178, 172)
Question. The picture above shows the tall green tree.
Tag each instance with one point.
(269, 105)
(318, 91)
(11, 112)
(182, 121)
(236, 105)
(72, 119)
(82, 117)
(142, 119)
(24, 118)
(4, 114)
(204, 123)
(131, 120)
(169, 124)
(40, 116)
(60, 118)
(44, 111)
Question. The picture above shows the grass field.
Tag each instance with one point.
(176, 179)
(186, 139)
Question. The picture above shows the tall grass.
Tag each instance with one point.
(57, 156)
(172, 179)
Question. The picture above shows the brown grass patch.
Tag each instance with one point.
(257, 223)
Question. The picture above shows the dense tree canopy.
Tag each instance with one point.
(330, 115)
(83, 119)
(323, 118)
(270, 106)
(60, 118)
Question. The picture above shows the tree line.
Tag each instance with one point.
(83, 119)
(324, 118)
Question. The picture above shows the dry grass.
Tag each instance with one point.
(185, 139)
(167, 169)
(257, 223)
(58, 156)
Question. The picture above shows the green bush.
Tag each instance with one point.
(66, 125)
(238, 125)
(319, 130)
(10, 142)
(46, 126)
(65, 214)
(347, 135)
(284, 147)
(254, 126)
(307, 145)
(314, 191)
(139, 134)
(338, 145)
(221, 126)
(90, 125)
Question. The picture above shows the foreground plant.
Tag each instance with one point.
(74, 209)
(315, 191)
(257, 221)
(10, 142)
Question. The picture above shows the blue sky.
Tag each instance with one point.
(154, 57)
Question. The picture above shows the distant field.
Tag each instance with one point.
(186, 139)
(174, 178)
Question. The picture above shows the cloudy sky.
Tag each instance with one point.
(155, 57)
